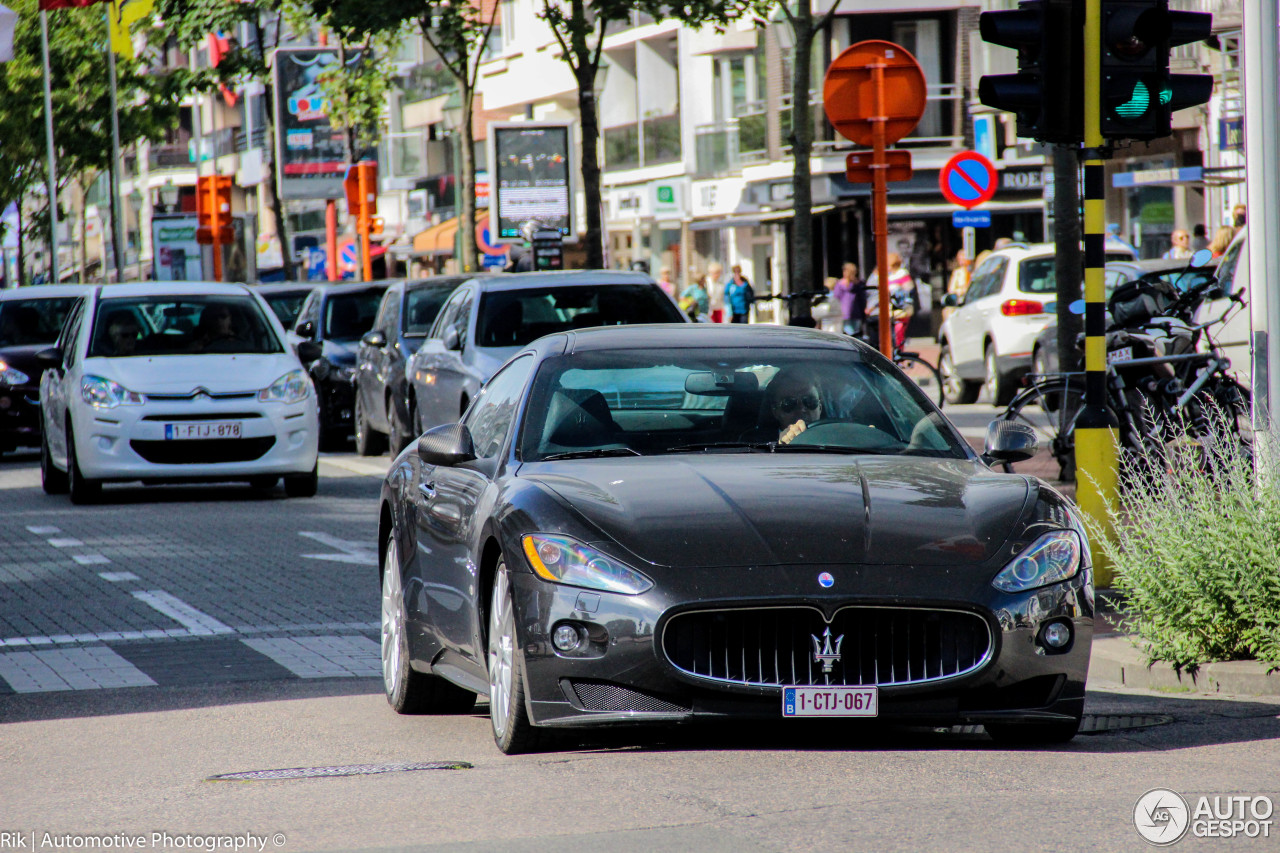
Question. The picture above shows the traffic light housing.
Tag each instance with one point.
(1047, 93)
(213, 200)
(361, 204)
(1139, 95)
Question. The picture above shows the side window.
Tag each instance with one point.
(447, 315)
(464, 316)
(392, 328)
(494, 411)
(71, 334)
(382, 322)
(1227, 268)
(310, 310)
(990, 278)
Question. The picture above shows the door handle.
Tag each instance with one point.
(427, 489)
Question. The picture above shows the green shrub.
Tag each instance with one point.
(1196, 550)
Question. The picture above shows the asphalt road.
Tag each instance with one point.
(171, 635)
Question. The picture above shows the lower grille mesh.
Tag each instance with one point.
(602, 696)
(203, 451)
(790, 645)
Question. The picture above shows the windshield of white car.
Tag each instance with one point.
(421, 305)
(513, 318)
(347, 316)
(180, 325)
(649, 402)
(32, 322)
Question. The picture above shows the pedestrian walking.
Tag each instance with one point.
(850, 292)
(695, 300)
(738, 295)
(664, 281)
(1181, 247)
(902, 299)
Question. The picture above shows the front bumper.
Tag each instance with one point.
(337, 393)
(19, 416)
(623, 675)
(128, 442)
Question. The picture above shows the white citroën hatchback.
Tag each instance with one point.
(175, 381)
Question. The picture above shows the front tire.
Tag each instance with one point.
(303, 485)
(82, 490)
(957, 390)
(410, 692)
(368, 442)
(1000, 389)
(53, 481)
(513, 731)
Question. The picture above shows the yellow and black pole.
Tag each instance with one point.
(1096, 458)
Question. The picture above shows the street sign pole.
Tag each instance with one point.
(1096, 457)
(879, 209)
(364, 223)
(215, 221)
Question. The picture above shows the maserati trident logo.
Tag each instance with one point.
(826, 651)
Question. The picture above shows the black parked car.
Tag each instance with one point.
(656, 524)
(336, 316)
(30, 320)
(285, 299)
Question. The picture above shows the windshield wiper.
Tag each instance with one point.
(720, 445)
(834, 448)
(594, 453)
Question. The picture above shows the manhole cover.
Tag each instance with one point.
(345, 770)
(1091, 724)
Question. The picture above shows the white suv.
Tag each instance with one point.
(988, 340)
(175, 381)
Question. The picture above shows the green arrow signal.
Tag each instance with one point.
(1138, 102)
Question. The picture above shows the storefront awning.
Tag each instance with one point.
(438, 239)
(743, 220)
(1195, 176)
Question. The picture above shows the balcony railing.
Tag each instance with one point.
(622, 147)
(652, 142)
(169, 157)
(247, 142)
(725, 147)
(222, 141)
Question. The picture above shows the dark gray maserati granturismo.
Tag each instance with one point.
(672, 523)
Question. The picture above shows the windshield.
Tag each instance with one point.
(513, 318)
(32, 322)
(181, 325)
(347, 316)
(421, 307)
(286, 305)
(646, 402)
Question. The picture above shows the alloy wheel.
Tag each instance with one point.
(393, 620)
(501, 655)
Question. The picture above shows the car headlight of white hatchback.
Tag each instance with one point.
(12, 375)
(290, 388)
(563, 559)
(103, 393)
(1052, 558)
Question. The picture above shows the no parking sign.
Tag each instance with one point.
(968, 179)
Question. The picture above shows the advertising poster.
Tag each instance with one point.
(531, 177)
(174, 247)
(308, 146)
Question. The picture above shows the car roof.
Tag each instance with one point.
(170, 288)
(558, 278)
(441, 281)
(327, 288)
(44, 291)
(699, 335)
(283, 287)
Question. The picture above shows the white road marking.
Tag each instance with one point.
(90, 559)
(91, 668)
(113, 636)
(352, 552)
(43, 530)
(116, 577)
(323, 657)
(65, 542)
(356, 466)
(196, 623)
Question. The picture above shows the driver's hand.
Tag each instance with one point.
(789, 434)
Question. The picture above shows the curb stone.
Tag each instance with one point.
(1117, 660)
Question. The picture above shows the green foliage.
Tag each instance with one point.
(1196, 551)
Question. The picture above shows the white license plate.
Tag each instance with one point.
(830, 701)
(203, 429)
(1116, 356)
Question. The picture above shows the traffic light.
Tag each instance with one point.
(1047, 93)
(361, 204)
(1139, 94)
(213, 210)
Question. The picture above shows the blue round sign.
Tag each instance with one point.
(348, 253)
(968, 179)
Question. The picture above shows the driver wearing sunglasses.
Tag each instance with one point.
(793, 403)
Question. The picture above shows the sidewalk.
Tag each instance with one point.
(1116, 660)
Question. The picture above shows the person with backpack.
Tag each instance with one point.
(738, 295)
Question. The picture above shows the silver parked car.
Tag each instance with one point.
(486, 321)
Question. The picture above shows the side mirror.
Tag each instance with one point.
(451, 339)
(306, 330)
(309, 351)
(51, 357)
(1200, 259)
(447, 445)
(1010, 441)
(374, 339)
(950, 300)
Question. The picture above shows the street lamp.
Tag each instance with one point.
(169, 195)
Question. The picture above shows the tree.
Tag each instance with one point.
(579, 27)
(149, 103)
(804, 28)
(457, 32)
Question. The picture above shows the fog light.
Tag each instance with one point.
(566, 638)
(1057, 635)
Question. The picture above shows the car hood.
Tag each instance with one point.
(766, 509)
(182, 374)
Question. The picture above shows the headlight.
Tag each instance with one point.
(560, 559)
(1053, 557)
(290, 388)
(12, 375)
(105, 394)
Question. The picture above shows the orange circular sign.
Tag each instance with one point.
(855, 100)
